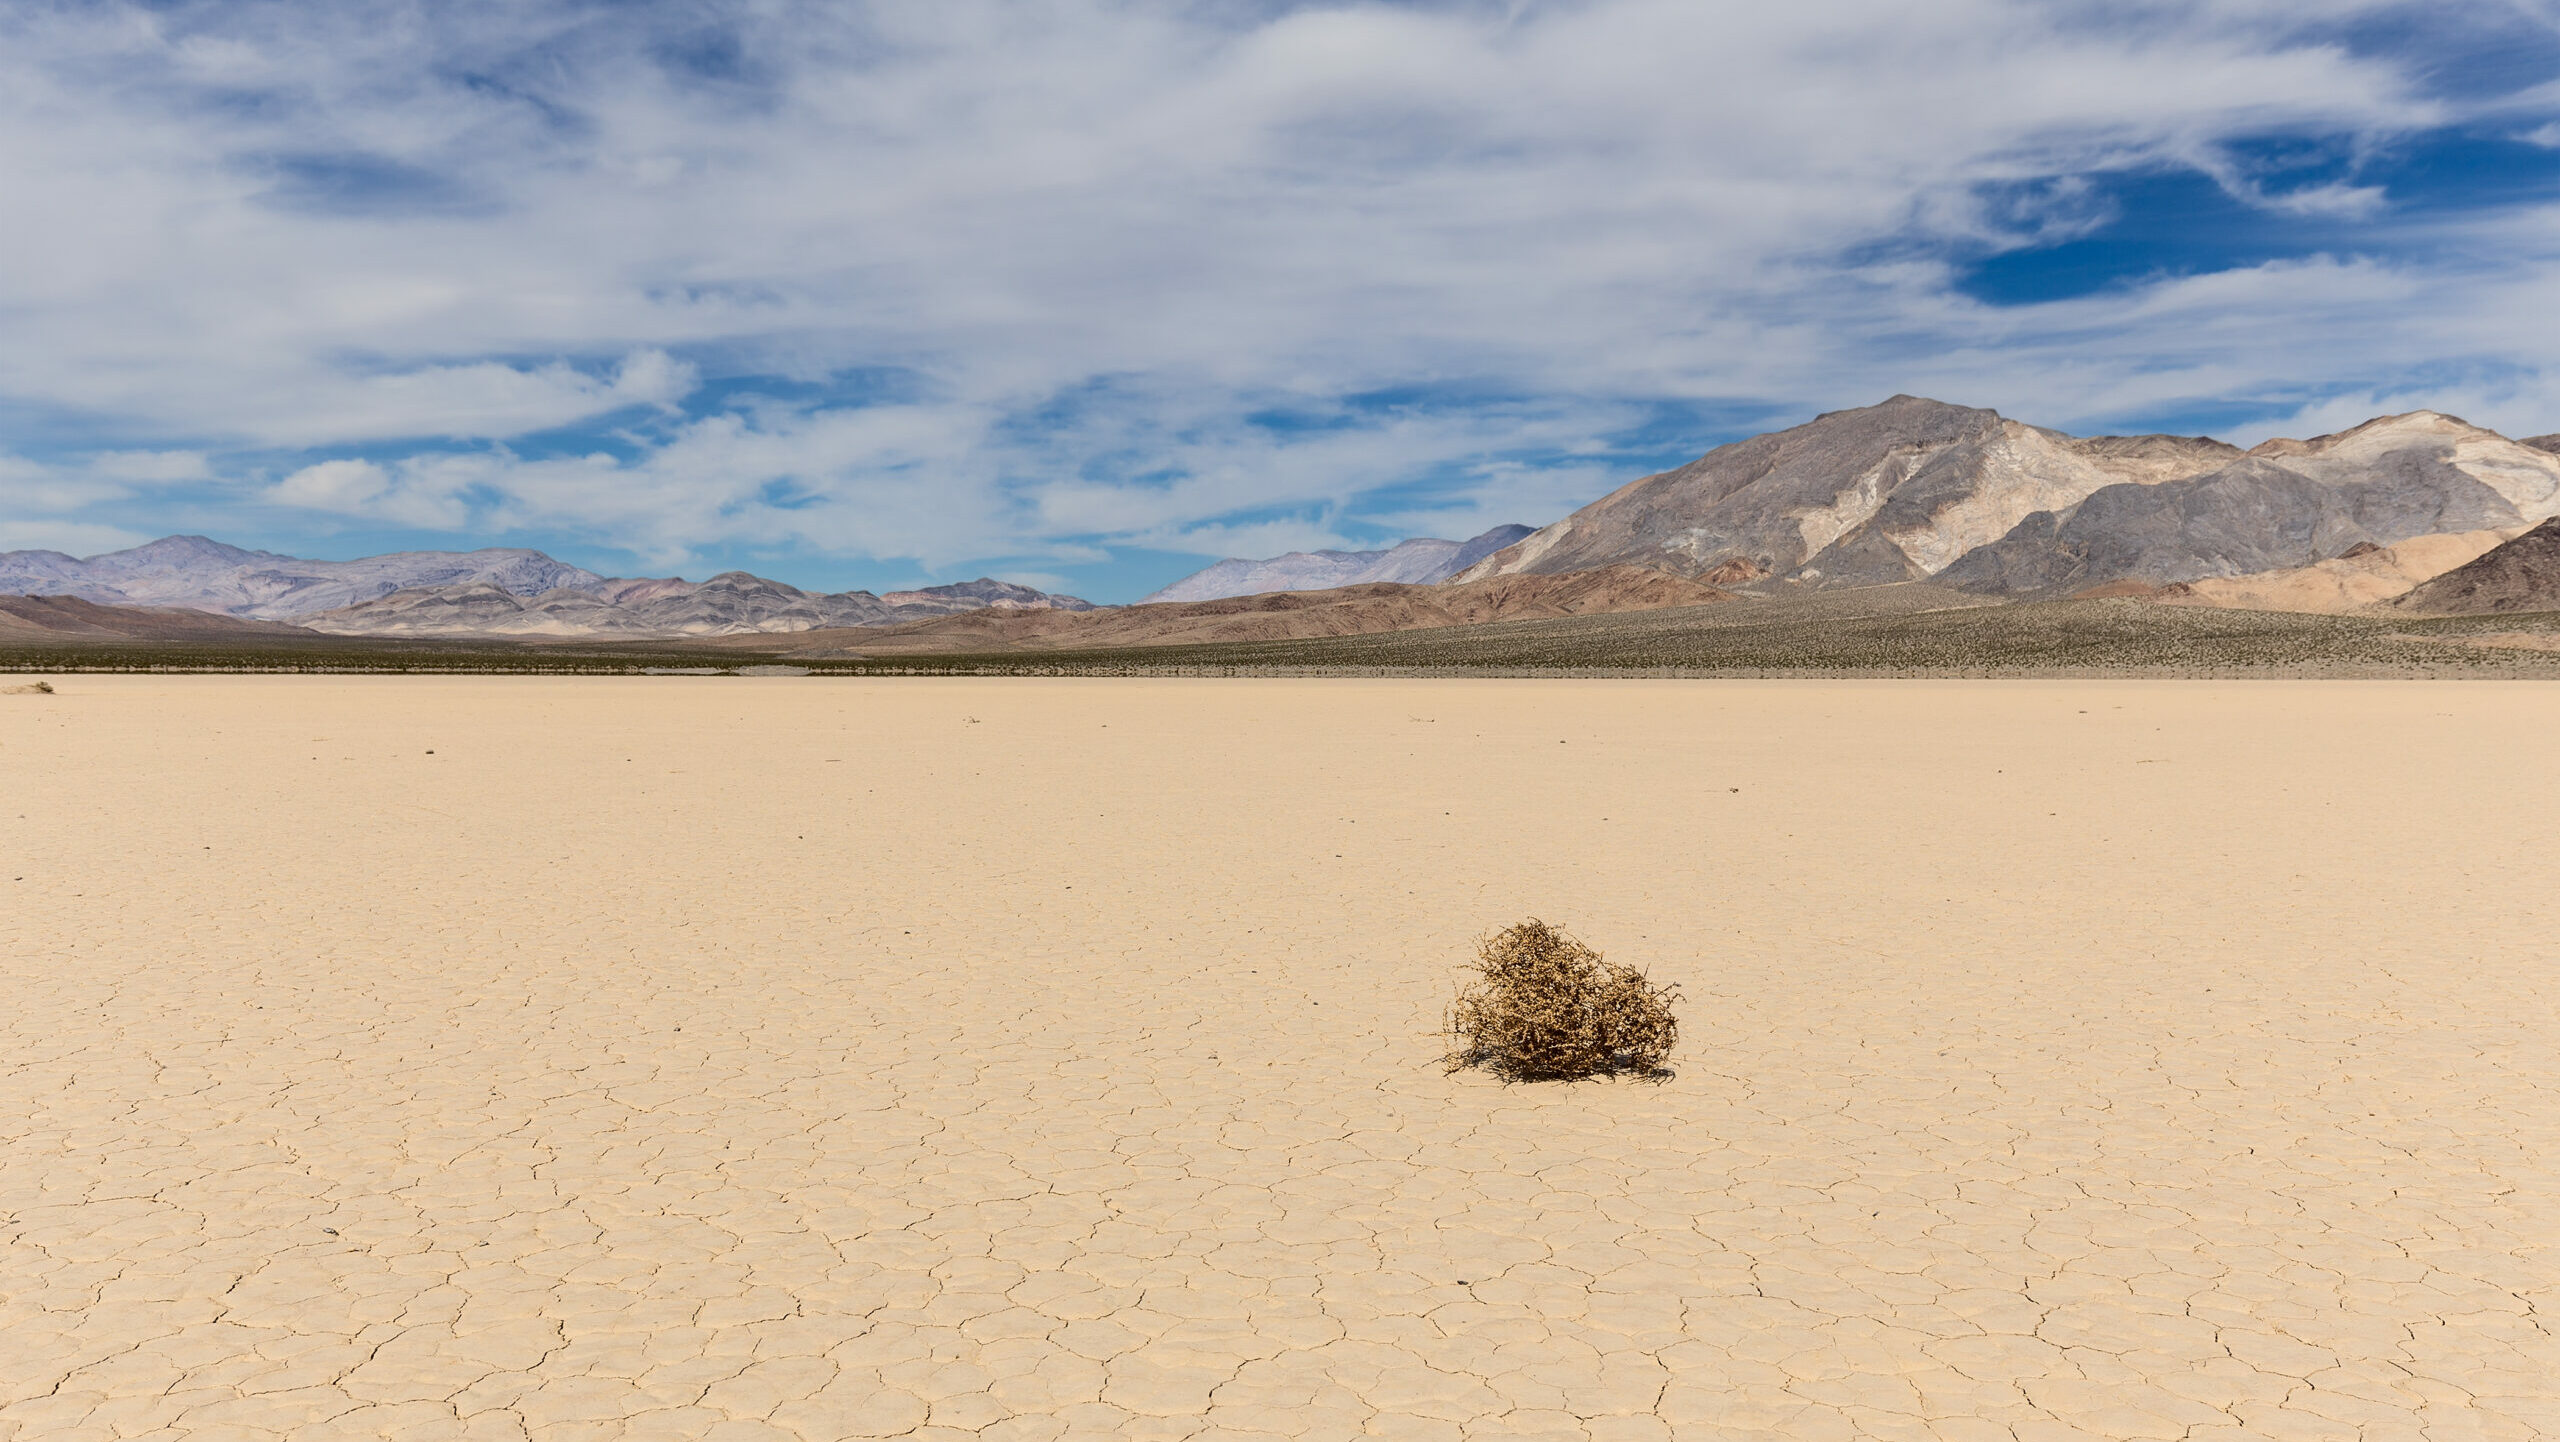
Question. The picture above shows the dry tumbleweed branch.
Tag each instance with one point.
(1544, 1006)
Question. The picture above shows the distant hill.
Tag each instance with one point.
(731, 603)
(1286, 615)
(207, 575)
(2522, 575)
(1907, 490)
(494, 592)
(76, 619)
(2364, 576)
(1421, 561)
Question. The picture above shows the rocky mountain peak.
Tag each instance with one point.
(184, 550)
(2380, 433)
(986, 591)
(1882, 493)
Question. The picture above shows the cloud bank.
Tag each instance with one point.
(913, 285)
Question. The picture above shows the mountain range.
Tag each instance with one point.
(1916, 489)
(2421, 513)
(731, 603)
(494, 592)
(1420, 561)
(206, 575)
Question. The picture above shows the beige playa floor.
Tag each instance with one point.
(736, 1058)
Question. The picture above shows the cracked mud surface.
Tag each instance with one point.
(825, 1059)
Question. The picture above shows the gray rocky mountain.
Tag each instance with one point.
(735, 601)
(502, 591)
(983, 593)
(729, 604)
(2426, 471)
(1915, 489)
(207, 575)
(2522, 575)
(2287, 504)
(2249, 517)
(1890, 492)
(624, 591)
(473, 608)
(1421, 561)
(2543, 443)
(172, 562)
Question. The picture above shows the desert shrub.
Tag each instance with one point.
(1543, 1006)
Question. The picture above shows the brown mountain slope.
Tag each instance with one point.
(69, 618)
(2363, 577)
(1274, 616)
(2522, 575)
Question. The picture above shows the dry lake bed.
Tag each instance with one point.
(809, 1058)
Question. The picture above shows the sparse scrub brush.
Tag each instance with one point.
(1543, 1006)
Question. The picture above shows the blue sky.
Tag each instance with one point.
(1089, 292)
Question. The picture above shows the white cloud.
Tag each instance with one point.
(1091, 239)
(43, 505)
(485, 399)
(653, 378)
(883, 481)
(75, 538)
(481, 399)
(421, 492)
(333, 486)
(152, 467)
(32, 486)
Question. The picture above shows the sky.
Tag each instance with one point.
(1087, 293)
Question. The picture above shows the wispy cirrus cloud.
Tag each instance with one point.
(905, 285)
